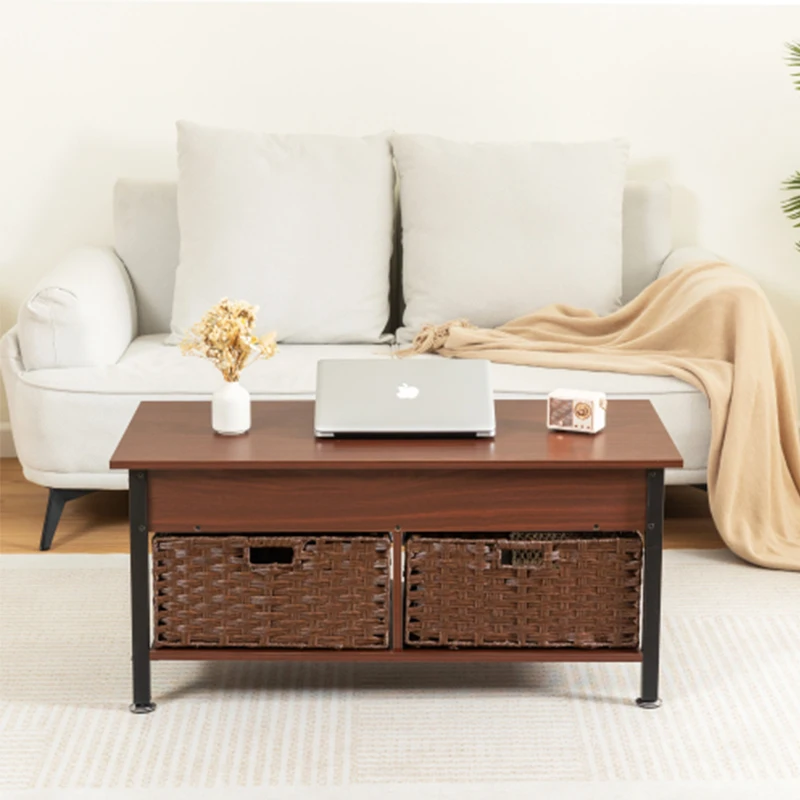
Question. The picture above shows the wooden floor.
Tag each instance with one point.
(98, 523)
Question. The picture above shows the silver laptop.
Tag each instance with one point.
(404, 397)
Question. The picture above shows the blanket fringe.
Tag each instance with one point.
(433, 337)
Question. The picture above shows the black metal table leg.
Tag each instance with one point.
(140, 600)
(651, 614)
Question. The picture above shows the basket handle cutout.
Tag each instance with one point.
(271, 555)
(530, 558)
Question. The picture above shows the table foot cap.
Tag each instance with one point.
(142, 708)
(648, 703)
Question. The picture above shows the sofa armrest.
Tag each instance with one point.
(684, 256)
(82, 313)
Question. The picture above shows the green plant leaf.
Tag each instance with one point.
(793, 59)
(791, 207)
(792, 184)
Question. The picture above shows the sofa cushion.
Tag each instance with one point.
(149, 369)
(147, 239)
(646, 234)
(81, 314)
(495, 231)
(69, 421)
(301, 226)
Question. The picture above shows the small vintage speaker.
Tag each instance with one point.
(576, 410)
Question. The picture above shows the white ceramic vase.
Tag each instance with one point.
(230, 409)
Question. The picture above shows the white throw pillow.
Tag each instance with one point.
(495, 231)
(299, 225)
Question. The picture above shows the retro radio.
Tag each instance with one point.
(575, 410)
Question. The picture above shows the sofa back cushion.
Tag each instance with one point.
(302, 226)
(494, 231)
(646, 234)
(147, 240)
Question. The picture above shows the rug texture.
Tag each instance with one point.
(731, 646)
(711, 326)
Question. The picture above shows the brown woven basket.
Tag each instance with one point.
(304, 591)
(523, 590)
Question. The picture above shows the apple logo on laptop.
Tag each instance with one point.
(406, 392)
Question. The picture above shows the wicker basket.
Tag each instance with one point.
(306, 591)
(523, 590)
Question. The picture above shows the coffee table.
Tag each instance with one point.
(184, 478)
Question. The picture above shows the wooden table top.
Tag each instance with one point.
(178, 436)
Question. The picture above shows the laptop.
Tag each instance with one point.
(433, 397)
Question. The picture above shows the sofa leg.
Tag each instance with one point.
(56, 501)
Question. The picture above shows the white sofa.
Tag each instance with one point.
(115, 304)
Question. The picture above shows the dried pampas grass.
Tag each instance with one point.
(225, 337)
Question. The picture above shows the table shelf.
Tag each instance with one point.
(405, 656)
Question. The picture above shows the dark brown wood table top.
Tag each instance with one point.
(178, 436)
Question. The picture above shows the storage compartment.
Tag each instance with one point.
(316, 592)
(541, 590)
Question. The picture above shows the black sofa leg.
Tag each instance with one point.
(56, 501)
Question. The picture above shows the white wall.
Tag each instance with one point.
(91, 92)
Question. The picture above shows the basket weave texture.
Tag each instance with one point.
(525, 590)
(271, 591)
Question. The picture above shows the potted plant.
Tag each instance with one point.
(225, 337)
(792, 206)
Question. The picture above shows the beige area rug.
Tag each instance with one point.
(731, 654)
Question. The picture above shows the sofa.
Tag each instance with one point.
(113, 306)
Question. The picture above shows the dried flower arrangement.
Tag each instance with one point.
(225, 337)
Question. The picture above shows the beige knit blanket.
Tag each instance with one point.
(711, 326)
